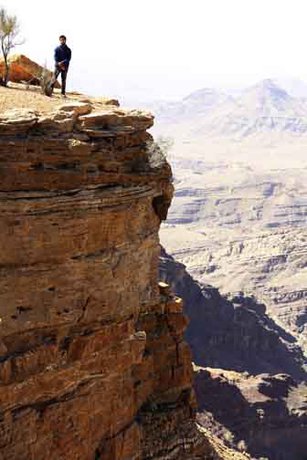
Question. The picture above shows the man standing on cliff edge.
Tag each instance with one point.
(62, 56)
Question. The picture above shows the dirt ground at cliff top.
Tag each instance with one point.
(18, 96)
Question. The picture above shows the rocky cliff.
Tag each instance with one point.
(93, 364)
(254, 393)
(264, 413)
(232, 333)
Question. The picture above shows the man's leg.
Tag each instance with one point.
(63, 76)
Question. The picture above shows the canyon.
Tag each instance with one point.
(238, 218)
(235, 250)
(249, 373)
(95, 353)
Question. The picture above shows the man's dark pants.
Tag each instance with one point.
(57, 72)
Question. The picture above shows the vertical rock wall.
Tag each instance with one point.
(92, 360)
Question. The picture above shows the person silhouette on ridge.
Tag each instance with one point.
(62, 57)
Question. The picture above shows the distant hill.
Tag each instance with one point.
(294, 86)
(199, 103)
(264, 107)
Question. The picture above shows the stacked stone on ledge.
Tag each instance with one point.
(92, 359)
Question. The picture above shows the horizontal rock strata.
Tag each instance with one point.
(92, 359)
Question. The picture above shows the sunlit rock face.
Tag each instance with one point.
(93, 364)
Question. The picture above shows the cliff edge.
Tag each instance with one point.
(93, 364)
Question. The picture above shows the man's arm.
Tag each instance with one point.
(56, 55)
(68, 56)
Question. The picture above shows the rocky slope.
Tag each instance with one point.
(256, 397)
(246, 240)
(92, 358)
(232, 333)
(265, 414)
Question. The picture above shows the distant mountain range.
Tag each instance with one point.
(198, 103)
(264, 107)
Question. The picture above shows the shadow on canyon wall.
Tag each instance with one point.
(257, 391)
(234, 334)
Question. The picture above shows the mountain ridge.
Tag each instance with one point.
(263, 107)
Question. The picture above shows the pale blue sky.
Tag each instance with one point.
(167, 48)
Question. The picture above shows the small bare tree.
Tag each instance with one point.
(9, 30)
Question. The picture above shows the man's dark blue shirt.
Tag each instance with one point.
(62, 53)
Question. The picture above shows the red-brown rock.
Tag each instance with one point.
(92, 359)
(23, 70)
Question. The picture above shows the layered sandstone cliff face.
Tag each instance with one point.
(92, 359)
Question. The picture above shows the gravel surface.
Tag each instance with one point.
(18, 96)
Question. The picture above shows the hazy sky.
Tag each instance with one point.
(167, 48)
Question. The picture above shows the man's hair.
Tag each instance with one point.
(62, 36)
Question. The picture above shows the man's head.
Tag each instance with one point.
(62, 39)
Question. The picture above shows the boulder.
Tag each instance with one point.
(23, 70)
